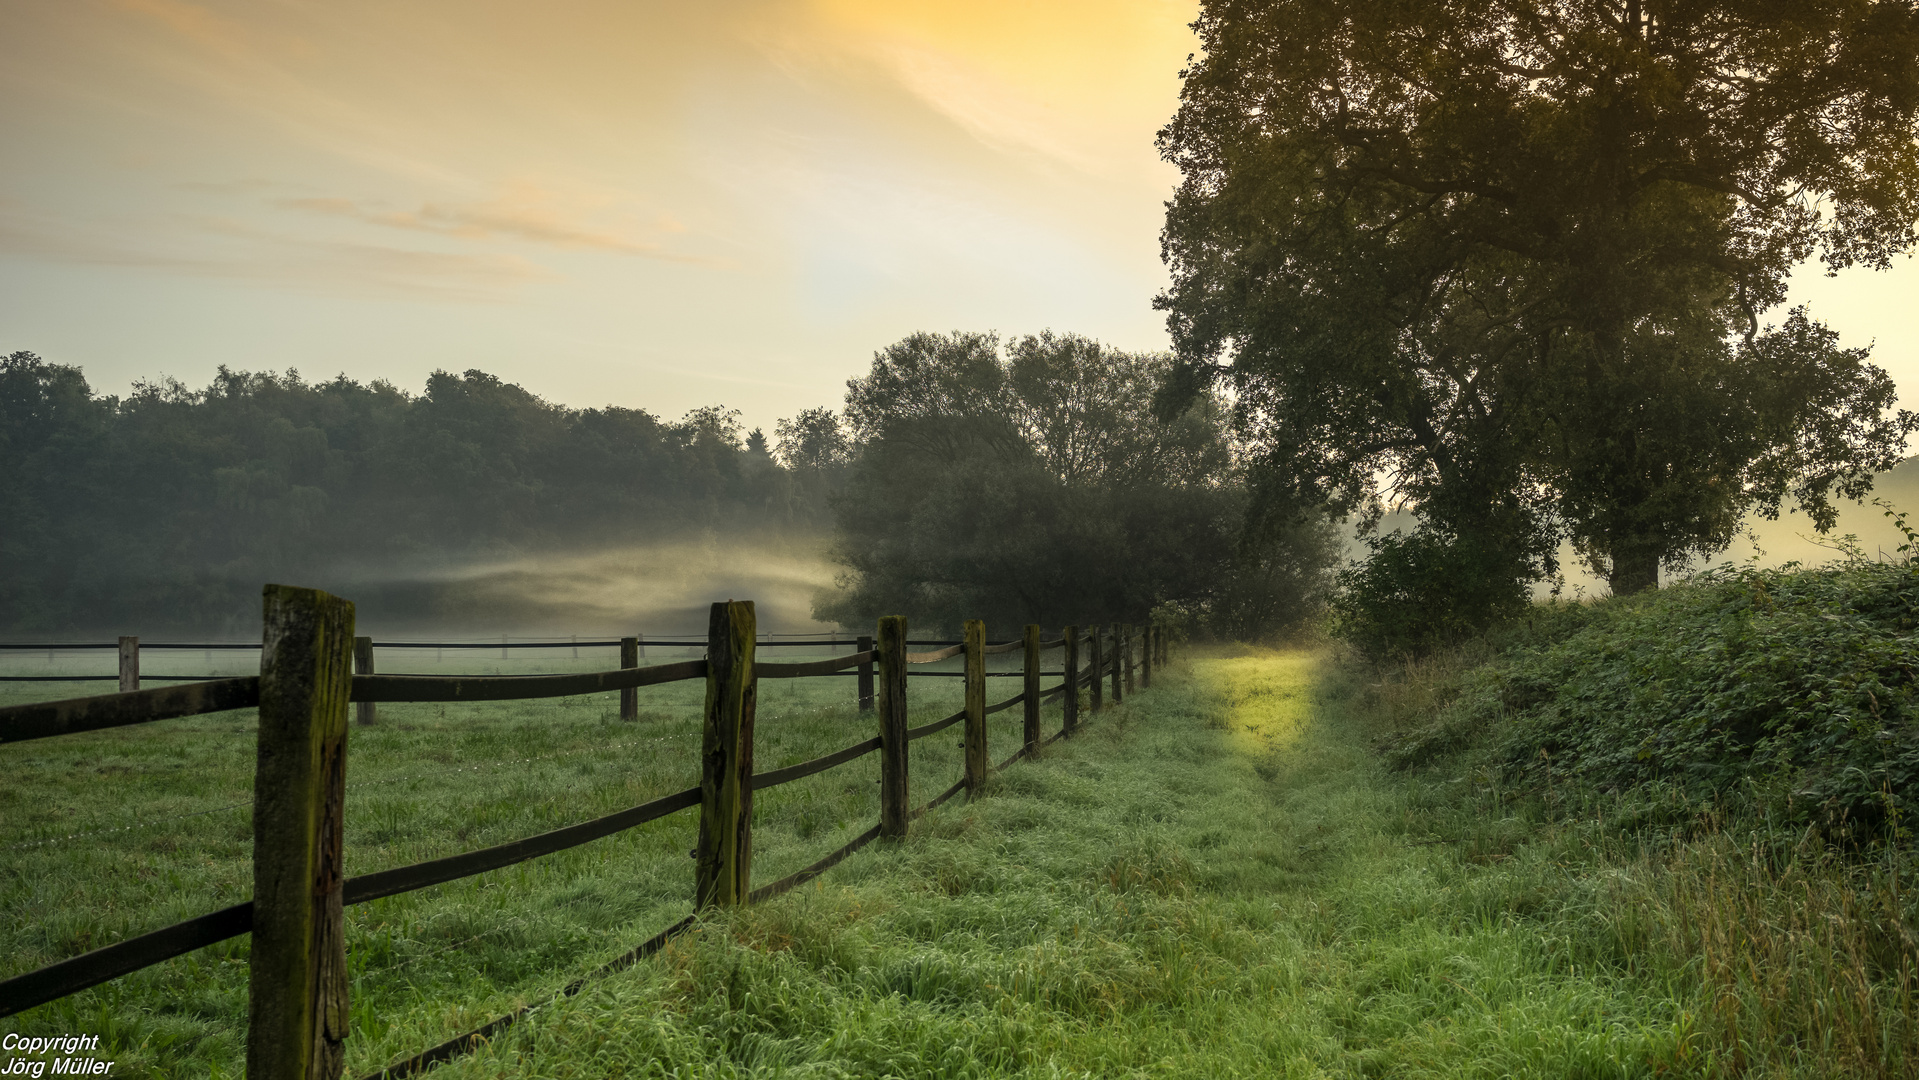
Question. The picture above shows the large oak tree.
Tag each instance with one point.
(1509, 259)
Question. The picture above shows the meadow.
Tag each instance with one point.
(1223, 877)
(109, 834)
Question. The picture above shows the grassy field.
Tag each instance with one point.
(110, 834)
(1220, 878)
(1216, 880)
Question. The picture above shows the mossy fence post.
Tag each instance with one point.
(892, 709)
(1125, 646)
(129, 664)
(630, 696)
(363, 711)
(1069, 702)
(1097, 668)
(1119, 663)
(1030, 694)
(1146, 659)
(866, 674)
(978, 764)
(725, 853)
(297, 974)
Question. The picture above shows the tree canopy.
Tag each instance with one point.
(1031, 482)
(168, 508)
(1509, 259)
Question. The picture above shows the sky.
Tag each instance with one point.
(661, 205)
(648, 204)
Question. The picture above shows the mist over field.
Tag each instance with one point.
(1790, 538)
(657, 588)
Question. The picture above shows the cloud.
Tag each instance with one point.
(525, 212)
(234, 251)
(199, 25)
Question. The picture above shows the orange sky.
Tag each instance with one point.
(659, 205)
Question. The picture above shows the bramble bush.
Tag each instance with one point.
(1787, 694)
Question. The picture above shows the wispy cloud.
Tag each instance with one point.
(525, 212)
(234, 251)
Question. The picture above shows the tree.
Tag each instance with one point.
(1032, 482)
(1507, 259)
(165, 510)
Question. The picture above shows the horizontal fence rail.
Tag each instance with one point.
(723, 795)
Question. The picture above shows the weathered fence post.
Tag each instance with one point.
(1119, 663)
(892, 708)
(1069, 703)
(978, 765)
(1126, 655)
(725, 868)
(1031, 694)
(129, 664)
(363, 665)
(866, 674)
(297, 974)
(1097, 669)
(1146, 659)
(630, 696)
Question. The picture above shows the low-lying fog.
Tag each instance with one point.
(658, 589)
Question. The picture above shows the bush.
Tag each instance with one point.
(1424, 590)
(1787, 695)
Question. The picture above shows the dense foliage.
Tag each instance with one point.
(1422, 590)
(168, 508)
(1784, 693)
(1509, 259)
(1034, 484)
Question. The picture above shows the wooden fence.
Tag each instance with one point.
(297, 975)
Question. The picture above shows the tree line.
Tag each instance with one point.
(963, 478)
(167, 508)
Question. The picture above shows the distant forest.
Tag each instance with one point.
(168, 508)
(1024, 480)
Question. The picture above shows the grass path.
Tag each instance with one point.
(1215, 880)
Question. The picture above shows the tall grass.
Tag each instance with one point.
(1792, 953)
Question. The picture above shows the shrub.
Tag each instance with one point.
(1424, 590)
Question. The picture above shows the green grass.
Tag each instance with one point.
(114, 833)
(1216, 880)
(1220, 878)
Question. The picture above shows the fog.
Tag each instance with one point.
(661, 589)
(1791, 538)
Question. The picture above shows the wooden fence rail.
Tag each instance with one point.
(312, 667)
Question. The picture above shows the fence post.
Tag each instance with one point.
(978, 765)
(1069, 703)
(892, 708)
(725, 870)
(1097, 669)
(363, 665)
(630, 696)
(1031, 702)
(129, 664)
(1126, 651)
(1146, 658)
(866, 674)
(297, 974)
(1117, 666)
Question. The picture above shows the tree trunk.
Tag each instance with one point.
(1633, 571)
